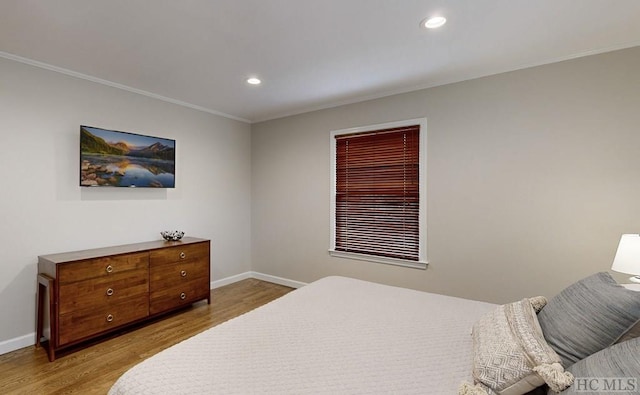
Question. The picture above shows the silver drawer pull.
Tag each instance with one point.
(183, 296)
(183, 255)
(109, 291)
(183, 273)
(109, 318)
(109, 269)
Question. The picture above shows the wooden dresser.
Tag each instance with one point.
(94, 292)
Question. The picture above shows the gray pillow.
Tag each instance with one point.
(635, 330)
(632, 333)
(588, 316)
(616, 367)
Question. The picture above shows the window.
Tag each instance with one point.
(379, 193)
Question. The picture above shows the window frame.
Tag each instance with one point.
(422, 216)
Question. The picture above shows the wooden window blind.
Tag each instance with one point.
(377, 193)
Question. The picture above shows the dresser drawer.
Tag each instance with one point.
(179, 253)
(81, 324)
(176, 296)
(100, 267)
(170, 275)
(101, 291)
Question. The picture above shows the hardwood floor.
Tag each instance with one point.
(94, 369)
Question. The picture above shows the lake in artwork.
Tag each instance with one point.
(111, 158)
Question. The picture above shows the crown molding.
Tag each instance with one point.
(116, 85)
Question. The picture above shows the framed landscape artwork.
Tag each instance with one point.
(109, 158)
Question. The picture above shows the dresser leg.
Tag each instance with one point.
(45, 283)
(40, 318)
(53, 323)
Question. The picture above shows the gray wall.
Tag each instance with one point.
(532, 177)
(43, 210)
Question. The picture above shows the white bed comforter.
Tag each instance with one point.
(336, 335)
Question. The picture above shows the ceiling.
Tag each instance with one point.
(309, 54)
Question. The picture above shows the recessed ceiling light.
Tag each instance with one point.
(253, 81)
(433, 22)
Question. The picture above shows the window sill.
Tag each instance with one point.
(379, 259)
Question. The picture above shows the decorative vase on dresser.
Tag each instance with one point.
(99, 291)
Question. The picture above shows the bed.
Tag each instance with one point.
(344, 336)
(335, 335)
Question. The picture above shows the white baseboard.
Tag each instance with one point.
(278, 280)
(17, 343)
(257, 275)
(30, 339)
(229, 280)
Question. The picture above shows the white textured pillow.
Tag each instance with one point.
(511, 356)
